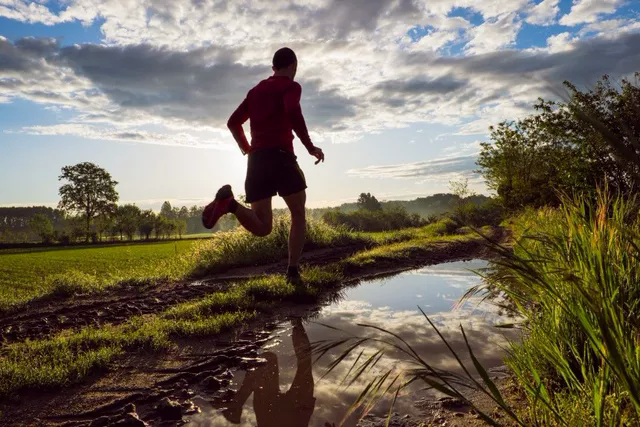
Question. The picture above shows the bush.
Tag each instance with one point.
(374, 220)
(488, 213)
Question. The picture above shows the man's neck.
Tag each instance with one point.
(278, 74)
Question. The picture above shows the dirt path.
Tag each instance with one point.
(161, 388)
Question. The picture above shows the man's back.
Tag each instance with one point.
(270, 125)
(273, 108)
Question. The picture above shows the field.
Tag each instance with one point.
(27, 273)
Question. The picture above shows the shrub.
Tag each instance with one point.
(374, 220)
(488, 213)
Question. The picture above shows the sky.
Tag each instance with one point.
(398, 93)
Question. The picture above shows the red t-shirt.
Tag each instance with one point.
(273, 108)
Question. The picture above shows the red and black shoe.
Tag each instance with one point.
(220, 206)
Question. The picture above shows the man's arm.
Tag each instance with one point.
(234, 124)
(293, 110)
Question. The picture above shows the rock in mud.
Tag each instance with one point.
(211, 384)
(169, 409)
(130, 420)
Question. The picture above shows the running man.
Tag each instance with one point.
(273, 109)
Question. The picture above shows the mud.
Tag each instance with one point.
(163, 390)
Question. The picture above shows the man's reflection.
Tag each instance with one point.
(273, 408)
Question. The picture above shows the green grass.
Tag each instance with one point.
(57, 271)
(574, 278)
(33, 273)
(71, 356)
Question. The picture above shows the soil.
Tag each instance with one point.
(161, 389)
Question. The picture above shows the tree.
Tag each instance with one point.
(183, 213)
(180, 226)
(369, 202)
(126, 220)
(90, 192)
(167, 211)
(160, 226)
(103, 224)
(573, 147)
(146, 223)
(42, 227)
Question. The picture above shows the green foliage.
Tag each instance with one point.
(89, 192)
(368, 202)
(126, 219)
(239, 247)
(574, 278)
(591, 140)
(488, 213)
(42, 227)
(31, 273)
(373, 219)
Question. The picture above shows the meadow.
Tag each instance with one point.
(29, 273)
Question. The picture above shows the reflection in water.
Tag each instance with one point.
(273, 408)
(283, 393)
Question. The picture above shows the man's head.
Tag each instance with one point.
(285, 63)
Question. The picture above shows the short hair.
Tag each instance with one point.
(283, 58)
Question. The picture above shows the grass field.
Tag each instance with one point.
(27, 273)
(30, 273)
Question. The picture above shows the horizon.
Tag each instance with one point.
(399, 94)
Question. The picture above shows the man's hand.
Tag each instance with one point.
(318, 154)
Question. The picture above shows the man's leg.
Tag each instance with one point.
(257, 220)
(296, 203)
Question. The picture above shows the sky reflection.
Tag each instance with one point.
(390, 303)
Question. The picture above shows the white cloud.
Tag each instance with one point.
(589, 10)
(560, 42)
(543, 13)
(494, 34)
(181, 67)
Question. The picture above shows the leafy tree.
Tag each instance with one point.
(161, 226)
(369, 202)
(180, 227)
(589, 141)
(42, 227)
(103, 224)
(146, 223)
(90, 191)
(167, 211)
(183, 213)
(126, 220)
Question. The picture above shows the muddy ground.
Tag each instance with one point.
(161, 389)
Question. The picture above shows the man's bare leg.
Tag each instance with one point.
(296, 203)
(257, 220)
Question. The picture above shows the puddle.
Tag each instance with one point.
(288, 391)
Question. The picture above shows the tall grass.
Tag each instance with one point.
(574, 280)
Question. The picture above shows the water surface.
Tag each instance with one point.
(288, 389)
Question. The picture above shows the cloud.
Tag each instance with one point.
(183, 66)
(436, 168)
(589, 10)
(494, 34)
(543, 13)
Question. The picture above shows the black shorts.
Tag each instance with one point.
(272, 171)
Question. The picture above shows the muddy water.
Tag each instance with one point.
(288, 390)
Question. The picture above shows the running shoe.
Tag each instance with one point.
(220, 206)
